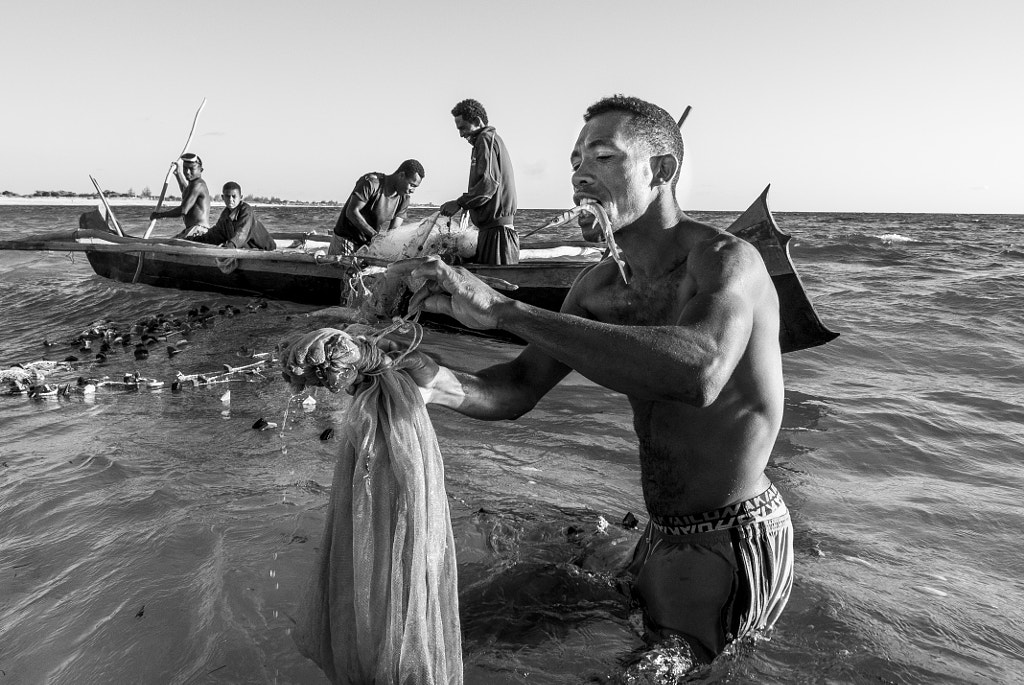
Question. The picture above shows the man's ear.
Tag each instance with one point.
(663, 168)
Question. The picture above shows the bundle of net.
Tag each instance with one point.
(382, 603)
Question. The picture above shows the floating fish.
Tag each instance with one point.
(262, 424)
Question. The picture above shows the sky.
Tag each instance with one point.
(905, 106)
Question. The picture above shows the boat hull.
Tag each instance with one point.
(307, 279)
(542, 285)
(313, 284)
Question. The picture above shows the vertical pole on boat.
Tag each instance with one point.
(111, 219)
(167, 178)
(686, 113)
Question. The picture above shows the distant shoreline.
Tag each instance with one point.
(149, 202)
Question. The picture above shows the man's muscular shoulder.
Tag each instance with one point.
(718, 257)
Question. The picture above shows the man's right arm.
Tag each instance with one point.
(179, 177)
(503, 391)
(354, 214)
(189, 198)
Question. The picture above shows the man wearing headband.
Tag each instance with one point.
(378, 203)
(195, 197)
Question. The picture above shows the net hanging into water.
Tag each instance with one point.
(382, 605)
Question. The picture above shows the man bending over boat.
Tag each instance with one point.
(237, 226)
(379, 202)
(195, 197)
(491, 197)
(689, 332)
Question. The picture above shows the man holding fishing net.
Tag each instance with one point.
(686, 325)
(683, 319)
(379, 202)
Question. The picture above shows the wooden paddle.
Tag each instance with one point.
(167, 179)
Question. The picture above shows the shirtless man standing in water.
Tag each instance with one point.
(195, 197)
(692, 340)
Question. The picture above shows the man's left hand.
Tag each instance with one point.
(452, 291)
(450, 208)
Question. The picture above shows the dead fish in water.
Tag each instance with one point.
(262, 424)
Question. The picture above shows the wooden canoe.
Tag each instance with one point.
(299, 276)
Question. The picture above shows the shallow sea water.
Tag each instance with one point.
(154, 537)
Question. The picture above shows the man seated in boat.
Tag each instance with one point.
(238, 226)
(195, 196)
(689, 333)
(379, 202)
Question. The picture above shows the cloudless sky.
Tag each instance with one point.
(908, 105)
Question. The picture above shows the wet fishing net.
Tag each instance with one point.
(382, 604)
(373, 292)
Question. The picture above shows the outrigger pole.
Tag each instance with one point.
(686, 113)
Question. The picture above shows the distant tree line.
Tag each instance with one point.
(146, 194)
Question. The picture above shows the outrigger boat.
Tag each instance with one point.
(301, 271)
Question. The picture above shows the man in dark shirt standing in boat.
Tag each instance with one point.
(237, 226)
(195, 197)
(692, 340)
(491, 198)
(379, 202)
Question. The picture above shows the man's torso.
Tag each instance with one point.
(695, 459)
(199, 213)
(380, 208)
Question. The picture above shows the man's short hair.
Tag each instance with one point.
(410, 167)
(231, 185)
(469, 110)
(649, 123)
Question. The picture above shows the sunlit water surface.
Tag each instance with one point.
(154, 537)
